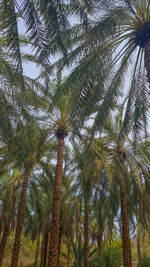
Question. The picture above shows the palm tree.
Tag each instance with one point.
(75, 252)
(122, 162)
(89, 167)
(10, 31)
(54, 237)
(105, 207)
(67, 210)
(143, 153)
(10, 116)
(39, 208)
(61, 130)
(8, 208)
(103, 54)
(57, 117)
(33, 142)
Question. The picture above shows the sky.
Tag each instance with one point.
(31, 69)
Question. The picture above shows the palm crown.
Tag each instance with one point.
(114, 46)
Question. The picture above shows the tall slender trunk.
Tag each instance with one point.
(145, 206)
(45, 249)
(54, 235)
(42, 251)
(77, 220)
(37, 249)
(86, 234)
(4, 242)
(68, 254)
(100, 245)
(139, 229)
(79, 247)
(99, 242)
(6, 231)
(1, 223)
(127, 262)
(139, 250)
(3, 211)
(20, 220)
(59, 244)
(147, 59)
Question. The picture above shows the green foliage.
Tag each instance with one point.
(111, 257)
(145, 261)
(27, 251)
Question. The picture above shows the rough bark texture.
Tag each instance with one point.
(6, 231)
(2, 216)
(54, 235)
(45, 249)
(42, 252)
(79, 246)
(59, 244)
(86, 234)
(4, 242)
(147, 59)
(99, 242)
(37, 250)
(68, 254)
(1, 223)
(77, 221)
(20, 220)
(127, 262)
(139, 230)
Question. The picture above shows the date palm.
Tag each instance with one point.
(39, 208)
(8, 206)
(10, 31)
(105, 207)
(123, 166)
(89, 168)
(61, 128)
(143, 195)
(57, 121)
(115, 45)
(32, 141)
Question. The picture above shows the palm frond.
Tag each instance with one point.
(9, 27)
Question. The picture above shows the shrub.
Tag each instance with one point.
(111, 257)
(145, 261)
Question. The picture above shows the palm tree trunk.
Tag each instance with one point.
(77, 220)
(59, 244)
(86, 234)
(45, 249)
(37, 249)
(147, 59)
(4, 242)
(68, 254)
(1, 223)
(139, 230)
(99, 242)
(79, 246)
(2, 216)
(20, 220)
(127, 262)
(42, 251)
(54, 235)
(6, 231)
